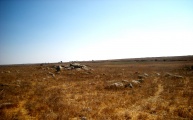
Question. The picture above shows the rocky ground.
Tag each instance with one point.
(147, 90)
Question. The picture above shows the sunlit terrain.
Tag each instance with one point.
(146, 89)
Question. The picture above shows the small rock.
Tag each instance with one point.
(167, 75)
(59, 68)
(83, 118)
(125, 81)
(78, 69)
(178, 76)
(76, 65)
(145, 74)
(85, 68)
(173, 76)
(116, 85)
(141, 76)
(128, 85)
(140, 80)
(135, 82)
(158, 74)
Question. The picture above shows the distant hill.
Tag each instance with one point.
(165, 58)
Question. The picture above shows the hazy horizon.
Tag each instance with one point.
(53, 31)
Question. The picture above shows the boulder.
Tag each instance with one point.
(76, 65)
(145, 75)
(140, 80)
(116, 85)
(128, 85)
(85, 68)
(158, 74)
(141, 76)
(78, 69)
(135, 82)
(119, 84)
(59, 68)
(125, 81)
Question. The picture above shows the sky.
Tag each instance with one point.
(45, 31)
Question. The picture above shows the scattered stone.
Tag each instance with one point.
(83, 118)
(178, 76)
(140, 80)
(52, 74)
(78, 69)
(123, 84)
(145, 74)
(167, 75)
(141, 76)
(128, 85)
(173, 76)
(135, 82)
(59, 68)
(116, 85)
(125, 81)
(85, 68)
(158, 74)
(76, 65)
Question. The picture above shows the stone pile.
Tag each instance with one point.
(72, 66)
(123, 84)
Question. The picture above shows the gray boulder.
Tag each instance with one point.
(135, 82)
(128, 85)
(76, 65)
(116, 85)
(59, 68)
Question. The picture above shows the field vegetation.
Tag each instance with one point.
(38, 92)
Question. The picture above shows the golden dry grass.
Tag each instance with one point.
(31, 92)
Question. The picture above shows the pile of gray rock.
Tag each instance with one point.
(72, 66)
(123, 84)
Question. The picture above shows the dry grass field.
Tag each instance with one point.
(38, 92)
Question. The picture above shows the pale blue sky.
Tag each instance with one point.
(36, 31)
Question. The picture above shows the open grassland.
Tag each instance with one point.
(39, 92)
